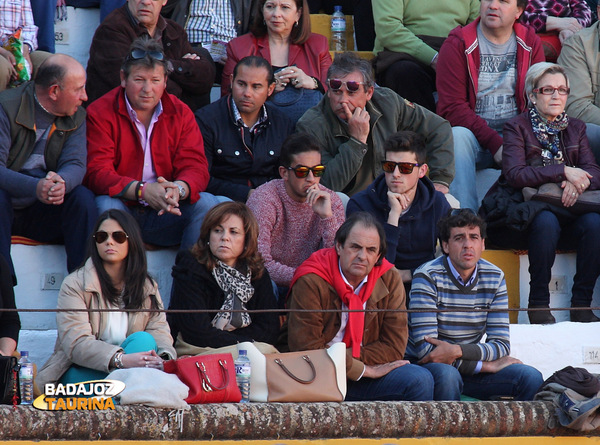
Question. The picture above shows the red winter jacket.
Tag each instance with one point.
(457, 79)
(115, 156)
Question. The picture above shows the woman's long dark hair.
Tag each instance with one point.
(300, 33)
(136, 268)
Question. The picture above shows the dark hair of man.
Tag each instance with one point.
(250, 257)
(522, 4)
(460, 218)
(147, 44)
(367, 220)
(136, 268)
(256, 62)
(50, 73)
(300, 32)
(407, 141)
(297, 143)
(347, 63)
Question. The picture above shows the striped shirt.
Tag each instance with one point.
(210, 20)
(435, 287)
(15, 14)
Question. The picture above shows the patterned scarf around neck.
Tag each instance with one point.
(238, 291)
(547, 131)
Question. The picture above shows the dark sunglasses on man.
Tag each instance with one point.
(352, 86)
(406, 168)
(301, 171)
(119, 236)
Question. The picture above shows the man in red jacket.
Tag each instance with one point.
(146, 154)
(481, 71)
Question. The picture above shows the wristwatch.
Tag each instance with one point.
(181, 191)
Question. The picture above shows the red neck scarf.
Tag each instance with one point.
(325, 263)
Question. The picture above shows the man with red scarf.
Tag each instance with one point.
(351, 277)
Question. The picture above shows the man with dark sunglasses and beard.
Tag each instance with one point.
(145, 152)
(404, 200)
(354, 119)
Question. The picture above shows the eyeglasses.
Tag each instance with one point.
(351, 85)
(549, 91)
(301, 171)
(119, 236)
(406, 168)
(137, 54)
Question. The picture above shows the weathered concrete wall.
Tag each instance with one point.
(287, 421)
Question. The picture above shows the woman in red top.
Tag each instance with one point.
(281, 34)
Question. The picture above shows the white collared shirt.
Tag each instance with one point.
(148, 172)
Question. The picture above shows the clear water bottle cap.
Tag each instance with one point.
(242, 352)
(24, 353)
(337, 8)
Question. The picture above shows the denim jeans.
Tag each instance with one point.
(593, 134)
(542, 238)
(43, 17)
(167, 230)
(106, 6)
(71, 222)
(469, 157)
(408, 382)
(140, 341)
(545, 236)
(518, 381)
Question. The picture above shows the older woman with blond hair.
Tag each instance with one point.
(541, 146)
(220, 277)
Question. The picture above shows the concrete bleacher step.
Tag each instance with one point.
(319, 423)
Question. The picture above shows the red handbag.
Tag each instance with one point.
(211, 378)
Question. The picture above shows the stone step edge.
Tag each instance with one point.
(288, 421)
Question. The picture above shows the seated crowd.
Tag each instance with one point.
(336, 213)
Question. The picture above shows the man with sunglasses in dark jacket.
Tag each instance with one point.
(405, 201)
(354, 119)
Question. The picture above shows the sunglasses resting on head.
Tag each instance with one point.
(137, 54)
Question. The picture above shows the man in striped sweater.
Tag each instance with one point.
(451, 344)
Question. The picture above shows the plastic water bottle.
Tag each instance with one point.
(338, 30)
(242, 374)
(26, 379)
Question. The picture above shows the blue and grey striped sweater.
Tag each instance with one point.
(434, 287)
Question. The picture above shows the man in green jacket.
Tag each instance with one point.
(354, 119)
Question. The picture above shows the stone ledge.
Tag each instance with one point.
(369, 420)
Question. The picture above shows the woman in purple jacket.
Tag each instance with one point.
(544, 145)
